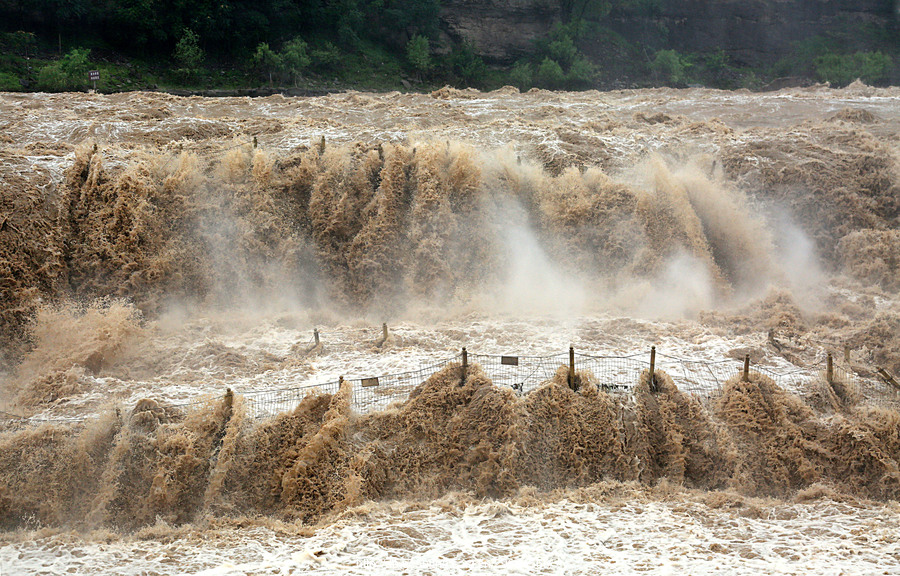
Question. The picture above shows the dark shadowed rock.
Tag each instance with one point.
(749, 31)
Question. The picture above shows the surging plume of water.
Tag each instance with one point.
(157, 463)
(393, 228)
(68, 344)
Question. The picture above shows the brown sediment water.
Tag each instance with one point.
(311, 463)
(149, 251)
(379, 222)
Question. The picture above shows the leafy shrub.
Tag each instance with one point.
(9, 82)
(287, 65)
(842, 69)
(67, 73)
(266, 60)
(715, 69)
(418, 54)
(188, 54)
(295, 58)
(467, 65)
(563, 51)
(561, 62)
(521, 75)
(18, 42)
(581, 74)
(550, 74)
(671, 65)
(325, 58)
(749, 80)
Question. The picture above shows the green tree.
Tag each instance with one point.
(717, 70)
(581, 74)
(563, 50)
(419, 55)
(562, 64)
(467, 65)
(19, 41)
(522, 75)
(348, 19)
(671, 65)
(325, 57)
(420, 15)
(67, 73)
(188, 53)
(295, 58)
(550, 74)
(266, 60)
(9, 82)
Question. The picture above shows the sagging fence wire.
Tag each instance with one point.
(369, 393)
(704, 379)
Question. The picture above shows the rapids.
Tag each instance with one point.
(156, 251)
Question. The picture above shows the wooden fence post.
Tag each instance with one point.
(316, 335)
(829, 370)
(746, 375)
(572, 367)
(887, 377)
(465, 366)
(653, 368)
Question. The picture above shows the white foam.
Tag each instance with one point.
(668, 536)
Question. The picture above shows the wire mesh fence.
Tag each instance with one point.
(705, 378)
(12, 422)
(614, 374)
(521, 373)
(369, 393)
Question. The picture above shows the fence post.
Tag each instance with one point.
(746, 375)
(384, 331)
(255, 142)
(572, 367)
(465, 366)
(829, 370)
(846, 354)
(653, 368)
(316, 335)
(886, 376)
(322, 145)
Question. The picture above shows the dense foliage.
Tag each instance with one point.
(224, 27)
(381, 44)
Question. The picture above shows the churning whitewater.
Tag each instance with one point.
(170, 264)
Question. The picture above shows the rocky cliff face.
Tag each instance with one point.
(750, 31)
(500, 30)
(760, 31)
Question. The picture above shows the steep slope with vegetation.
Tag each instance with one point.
(386, 44)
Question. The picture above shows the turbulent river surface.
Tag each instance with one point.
(193, 299)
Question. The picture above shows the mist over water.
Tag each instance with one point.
(398, 227)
